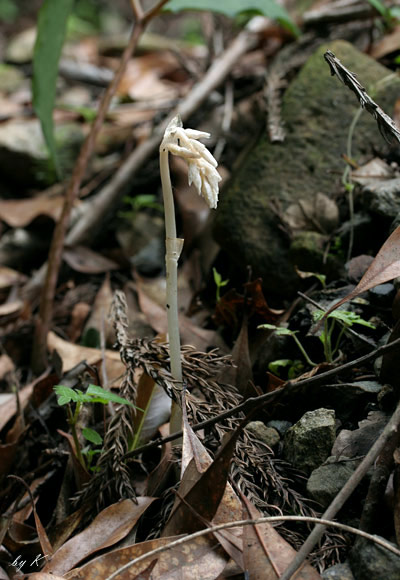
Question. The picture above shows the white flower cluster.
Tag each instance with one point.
(202, 165)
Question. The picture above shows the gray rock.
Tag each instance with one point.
(368, 561)
(382, 295)
(383, 198)
(317, 110)
(359, 442)
(309, 442)
(267, 435)
(24, 157)
(326, 481)
(280, 425)
(338, 572)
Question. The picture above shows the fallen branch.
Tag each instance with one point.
(268, 398)
(49, 273)
(268, 519)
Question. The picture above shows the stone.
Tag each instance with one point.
(326, 481)
(338, 572)
(383, 198)
(24, 157)
(358, 442)
(280, 425)
(309, 442)
(382, 296)
(267, 435)
(317, 110)
(368, 560)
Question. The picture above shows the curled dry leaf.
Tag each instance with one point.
(18, 213)
(73, 354)
(108, 528)
(87, 261)
(384, 267)
(266, 554)
(200, 558)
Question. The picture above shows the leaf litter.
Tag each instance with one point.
(98, 517)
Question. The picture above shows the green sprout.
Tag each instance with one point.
(139, 202)
(94, 394)
(346, 319)
(219, 284)
(282, 331)
(295, 367)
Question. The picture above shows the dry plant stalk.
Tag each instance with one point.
(39, 352)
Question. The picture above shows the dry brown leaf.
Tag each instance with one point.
(266, 554)
(6, 366)
(87, 261)
(199, 558)
(9, 277)
(44, 576)
(99, 317)
(385, 267)
(8, 406)
(73, 354)
(108, 528)
(156, 316)
(389, 43)
(18, 213)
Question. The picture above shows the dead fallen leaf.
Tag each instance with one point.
(44, 576)
(8, 406)
(6, 366)
(18, 213)
(266, 553)
(390, 42)
(87, 261)
(73, 354)
(9, 277)
(99, 316)
(385, 267)
(199, 558)
(108, 528)
(200, 338)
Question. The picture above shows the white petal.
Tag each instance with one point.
(194, 134)
(181, 151)
(194, 176)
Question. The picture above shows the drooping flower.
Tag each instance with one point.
(202, 165)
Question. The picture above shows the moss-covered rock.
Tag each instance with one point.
(317, 110)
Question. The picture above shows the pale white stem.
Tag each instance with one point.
(173, 249)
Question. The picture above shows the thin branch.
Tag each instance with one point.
(252, 522)
(149, 15)
(39, 358)
(389, 431)
(386, 125)
(288, 388)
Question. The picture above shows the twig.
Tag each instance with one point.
(386, 125)
(94, 210)
(253, 402)
(39, 358)
(252, 522)
(390, 431)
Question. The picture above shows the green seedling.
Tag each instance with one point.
(390, 14)
(346, 319)
(139, 202)
(219, 284)
(94, 394)
(282, 331)
(295, 367)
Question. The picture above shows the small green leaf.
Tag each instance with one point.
(275, 365)
(92, 436)
(217, 277)
(52, 23)
(100, 395)
(231, 8)
(280, 330)
(65, 395)
(349, 318)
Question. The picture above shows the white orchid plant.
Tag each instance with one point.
(204, 176)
